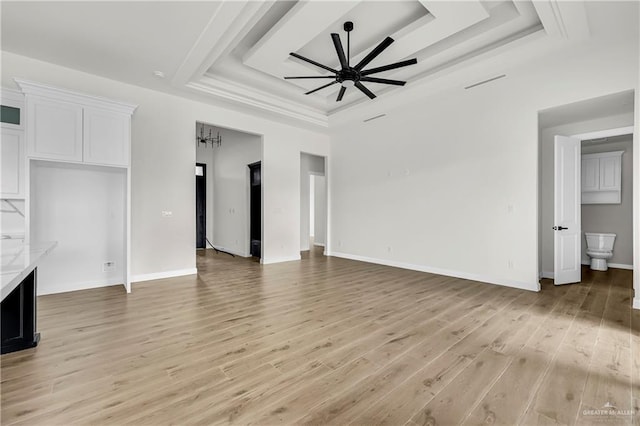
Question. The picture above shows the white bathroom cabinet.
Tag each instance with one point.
(66, 126)
(602, 177)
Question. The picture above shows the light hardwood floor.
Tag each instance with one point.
(329, 341)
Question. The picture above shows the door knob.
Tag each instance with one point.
(559, 228)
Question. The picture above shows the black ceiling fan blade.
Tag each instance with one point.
(340, 50)
(317, 64)
(364, 90)
(320, 88)
(341, 93)
(390, 67)
(311, 76)
(375, 52)
(383, 81)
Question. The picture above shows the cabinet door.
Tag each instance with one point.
(12, 157)
(54, 130)
(590, 174)
(610, 173)
(106, 137)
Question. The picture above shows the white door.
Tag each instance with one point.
(566, 211)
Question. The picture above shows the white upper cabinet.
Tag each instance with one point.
(69, 126)
(12, 149)
(54, 129)
(602, 177)
(590, 174)
(610, 172)
(12, 169)
(106, 137)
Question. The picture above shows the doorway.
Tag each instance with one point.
(313, 202)
(609, 116)
(201, 205)
(591, 180)
(255, 209)
(224, 215)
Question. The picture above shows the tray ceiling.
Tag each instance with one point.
(239, 51)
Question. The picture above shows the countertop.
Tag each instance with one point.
(18, 260)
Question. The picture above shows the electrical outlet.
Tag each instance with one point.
(510, 264)
(166, 213)
(109, 265)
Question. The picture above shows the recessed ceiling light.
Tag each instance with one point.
(158, 74)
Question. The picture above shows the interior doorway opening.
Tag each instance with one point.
(313, 203)
(595, 128)
(224, 207)
(201, 206)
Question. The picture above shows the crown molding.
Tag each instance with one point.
(11, 95)
(45, 91)
(563, 19)
(258, 99)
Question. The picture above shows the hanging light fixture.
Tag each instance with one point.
(202, 139)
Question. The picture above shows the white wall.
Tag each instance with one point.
(547, 178)
(449, 184)
(231, 189)
(308, 164)
(163, 155)
(613, 218)
(320, 214)
(82, 208)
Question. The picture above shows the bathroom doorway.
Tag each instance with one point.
(596, 126)
(590, 208)
(607, 202)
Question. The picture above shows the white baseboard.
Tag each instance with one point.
(319, 244)
(620, 266)
(636, 303)
(464, 275)
(166, 274)
(85, 285)
(547, 274)
(612, 265)
(279, 260)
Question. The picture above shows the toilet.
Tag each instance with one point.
(599, 249)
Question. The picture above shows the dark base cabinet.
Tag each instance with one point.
(19, 317)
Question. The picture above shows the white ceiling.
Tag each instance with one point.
(238, 51)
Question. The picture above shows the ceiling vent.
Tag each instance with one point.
(489, 80)
(374, 118)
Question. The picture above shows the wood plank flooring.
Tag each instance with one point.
(330, 341)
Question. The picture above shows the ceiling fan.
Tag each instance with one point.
(349, 76)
